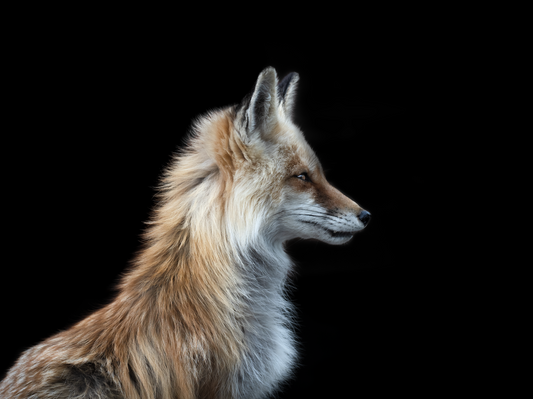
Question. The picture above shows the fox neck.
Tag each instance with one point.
(196, 258)
(196, 281)
(214, 265)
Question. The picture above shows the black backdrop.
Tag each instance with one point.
(97, 117)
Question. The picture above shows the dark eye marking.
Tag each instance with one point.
(303, 176)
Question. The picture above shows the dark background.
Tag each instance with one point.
(97, 113)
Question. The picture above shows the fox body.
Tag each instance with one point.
(202, 311)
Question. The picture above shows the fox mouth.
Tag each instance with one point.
(341, 234)
(333, 233)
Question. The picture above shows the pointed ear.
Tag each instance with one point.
(260, 113)
(287, 92)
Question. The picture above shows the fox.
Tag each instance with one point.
(203, 310)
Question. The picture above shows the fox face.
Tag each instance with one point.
(278, 183)
(315, 209)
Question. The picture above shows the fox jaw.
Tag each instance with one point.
(278, 188)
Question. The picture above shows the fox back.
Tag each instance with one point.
(202, 312)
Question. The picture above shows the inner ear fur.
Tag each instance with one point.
(287, 92)
(260, 112)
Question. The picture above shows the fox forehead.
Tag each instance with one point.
(296, 159)
(292, 152)
(283, 151)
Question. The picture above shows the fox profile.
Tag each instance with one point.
(202, 312)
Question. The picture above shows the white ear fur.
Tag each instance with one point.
(261, 112)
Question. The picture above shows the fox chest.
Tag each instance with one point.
(268, 359)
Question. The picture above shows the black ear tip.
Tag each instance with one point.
(283, 85)
(290, 76)
(293, 75)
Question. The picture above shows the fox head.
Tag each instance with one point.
(251, 166)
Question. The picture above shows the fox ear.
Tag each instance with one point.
(260, 113)
(287, 92)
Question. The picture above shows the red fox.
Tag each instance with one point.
(203, 313)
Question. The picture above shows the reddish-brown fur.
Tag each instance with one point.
(172, 313)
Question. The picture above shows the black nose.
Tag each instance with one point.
(364, 217)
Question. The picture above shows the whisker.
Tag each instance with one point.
(311, 214)
(337, 220)
(302, 209)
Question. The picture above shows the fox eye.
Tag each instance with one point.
(303, 176)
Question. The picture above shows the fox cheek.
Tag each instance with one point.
(326, 197)
(301, 186)
(321, 198)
